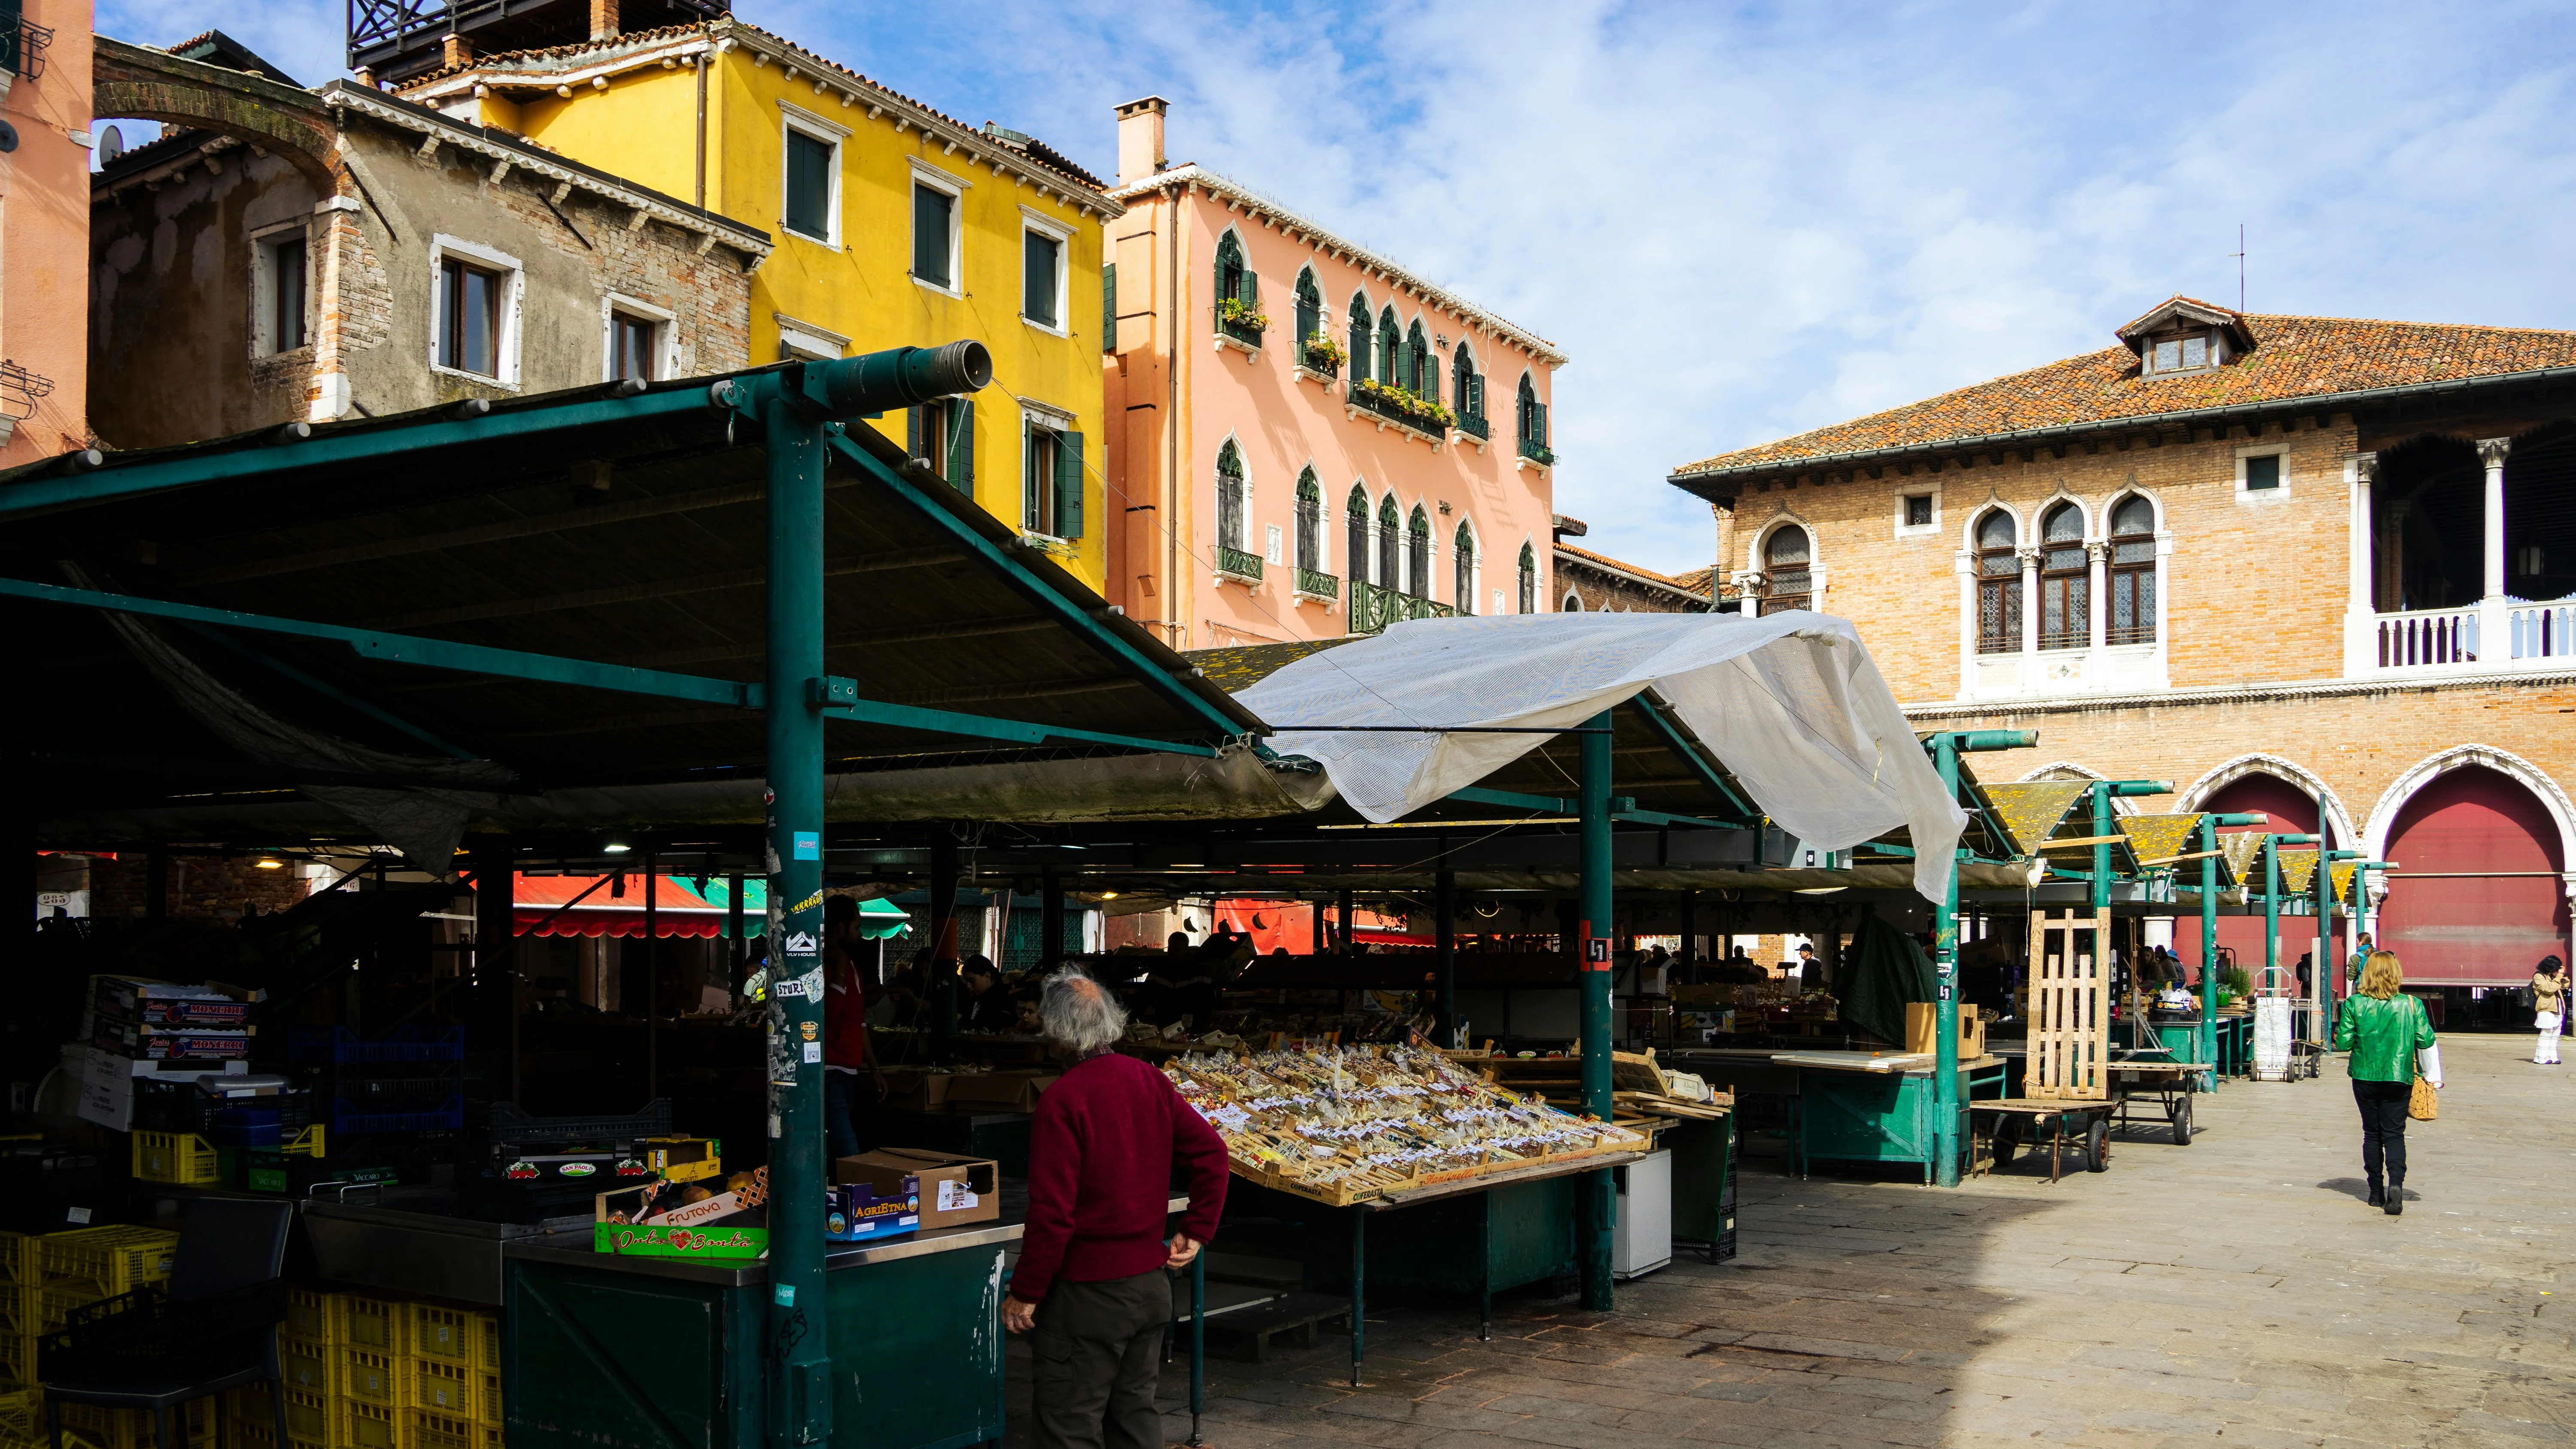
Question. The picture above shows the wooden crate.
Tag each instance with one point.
(2070, 1006)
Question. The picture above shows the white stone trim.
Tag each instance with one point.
(2210, 783)
(2280, 450)
(2392, 801)
(513, 300)
(666, 334)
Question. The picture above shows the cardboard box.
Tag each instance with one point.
(157, 1044)
(954, 1190)
(168, 1004)
(1920, 1017)
(686, 1220)
(858, 1213)
(683, 1159)
(916, 1091)
(998, 1091)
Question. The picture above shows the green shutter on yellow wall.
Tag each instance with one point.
(912, 432)
(961, 445)
(1109, 307)
(1068, 485)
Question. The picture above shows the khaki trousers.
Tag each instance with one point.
(1097, 1348)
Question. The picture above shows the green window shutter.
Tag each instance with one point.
(912, 432)
(1068, 485)
(931, 210)
(961, 446)
(808, 206)
(1252, 290)
(1109, 307)
(1029, 438)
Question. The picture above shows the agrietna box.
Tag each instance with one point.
(167, 1005)
(709, 1221)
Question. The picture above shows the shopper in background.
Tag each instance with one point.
(847, 1051)
(987, 1006)
(1091, 1280)
(2389, 1037)
(2548, 1009)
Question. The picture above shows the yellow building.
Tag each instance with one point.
(894, 224)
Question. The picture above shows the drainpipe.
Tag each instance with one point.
(702, 131)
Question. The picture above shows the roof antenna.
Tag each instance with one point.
(2239, 255)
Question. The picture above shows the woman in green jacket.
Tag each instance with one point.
(2388, 1035)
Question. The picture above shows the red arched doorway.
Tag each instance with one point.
(2479, 900)
(2294, 812)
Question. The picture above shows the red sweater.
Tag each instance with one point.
(1101, 1154)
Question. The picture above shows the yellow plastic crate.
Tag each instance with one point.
(13, 1252)
(308, 1367)
(54, 1305)
(311, 1418)
(435, 1331)
(488, 1402)
(367, 1426)
(372, 1378)
(17, 1308)
(312, 1317)
(113, 1260)
(182, 1159)
(488, 1335)
(440, 1387)
(432, 1430)
(131, 1428)
(374, 1324)
(18, 1358)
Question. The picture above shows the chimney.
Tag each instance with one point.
(603, 19)
(455, 50)
(1140, 138)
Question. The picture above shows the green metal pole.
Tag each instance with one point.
(1945, 1014)
(2321, 889)
(1593, 970)
(2208, 1050)
(800, 1364)
(1445, 918)
(2271, 909)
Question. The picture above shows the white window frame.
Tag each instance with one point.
(263, 285)
(925, 174)
(803, 341)
(513, 301)
(2262, 495)
(1034, 220)
(1036, 417)
(666, 341)
(1918, 530)
(793, 117)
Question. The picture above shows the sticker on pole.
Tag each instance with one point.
(786, 1295)
(1596, 952)
(809, 845)
(800, 944)
(813, 1053)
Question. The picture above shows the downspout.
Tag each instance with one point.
(1171, 500)
(702, 131)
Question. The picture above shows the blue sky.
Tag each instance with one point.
(1744, 221)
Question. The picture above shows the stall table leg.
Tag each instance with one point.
(1359, 1289)
(1198, 1345)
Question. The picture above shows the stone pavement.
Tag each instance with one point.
(2234, 1291)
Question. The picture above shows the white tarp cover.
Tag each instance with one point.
(1791, 703)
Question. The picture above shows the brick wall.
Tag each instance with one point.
(200, 886)
(1602, 589)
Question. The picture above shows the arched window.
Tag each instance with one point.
(1529, 414)
(1572, 604)
(1787, 557)
(2065, 580)
(2133, 572)
(1465, 548)
(1421, 374)
(1230, 271)
(1529, 579)
(1998, 584)
(1388, 522)
(1390, 349)
(1359, 348)
(1466, 389)
(1229, 497)
(1355, 547)
(1417, 553)
(1310, 524)
(1310, 310)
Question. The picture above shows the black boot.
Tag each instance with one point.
(2396, 1198)
(2377, 1198)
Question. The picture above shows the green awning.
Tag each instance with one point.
(877, 919)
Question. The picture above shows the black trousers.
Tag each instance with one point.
(1096, 1350)
(2383, 1127)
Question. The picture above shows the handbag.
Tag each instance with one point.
(2423, 1104)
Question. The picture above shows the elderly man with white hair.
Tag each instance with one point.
(1091, 1280)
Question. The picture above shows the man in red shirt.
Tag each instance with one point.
(1092, 1280)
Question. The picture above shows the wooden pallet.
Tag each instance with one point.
(1249, 1333)
(2070, 1005)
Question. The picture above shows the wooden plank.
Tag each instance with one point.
(2070, 1006)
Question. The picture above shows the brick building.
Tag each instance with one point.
(2286, 562)
(1593, 583)
(287, 255)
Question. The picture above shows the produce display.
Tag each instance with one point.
(1347, 1123)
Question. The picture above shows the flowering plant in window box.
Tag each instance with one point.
(1243, 314)
(1324, 354)
(1402, 404)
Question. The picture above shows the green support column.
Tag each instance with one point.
(1945, 1014)
(1445, 918)
(800, 1360)
(2208, 1039)
(1596, 1195)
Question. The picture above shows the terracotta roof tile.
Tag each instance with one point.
(2293, 358)
(1623, 566)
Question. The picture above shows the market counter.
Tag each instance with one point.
(602, 1351)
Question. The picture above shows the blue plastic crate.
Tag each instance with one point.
(346, 1117)
(409, 1044)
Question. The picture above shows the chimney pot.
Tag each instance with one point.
(1140, 138)
(603, 19)
(455, 50)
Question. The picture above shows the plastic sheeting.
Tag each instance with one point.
(1790, 702)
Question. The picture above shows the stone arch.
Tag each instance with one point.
(129, 82)
(2021, 526)
(2392, 801)
(2299, 776)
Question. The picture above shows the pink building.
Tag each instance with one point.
(1306, 439)
(44, 229)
